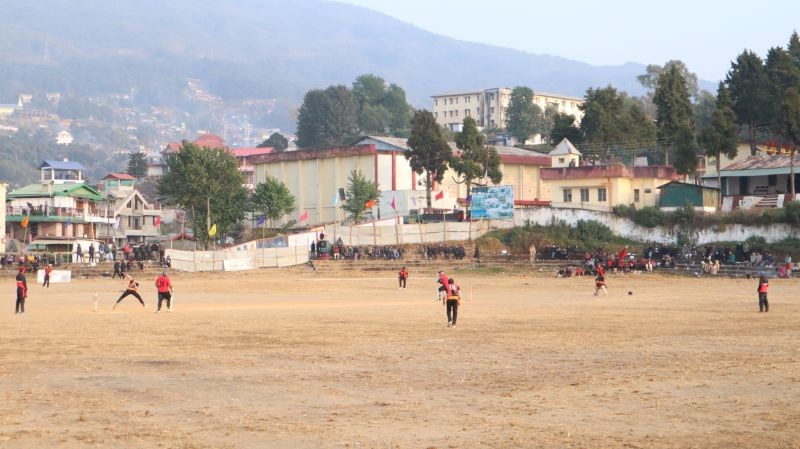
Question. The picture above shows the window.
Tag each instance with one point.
(491, 111)
(601, 194)
(648, 190)
(456, 113)
(451, 101)
(436, 102)
(561, 160)
(466, 99)
(435, 115)
(567, 195)
(584, 195)
(772, 180)
(635, 195)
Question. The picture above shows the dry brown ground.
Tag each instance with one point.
(287, 359)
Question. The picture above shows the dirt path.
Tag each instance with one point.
(283, 359)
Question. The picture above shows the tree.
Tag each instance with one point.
(428, 152)
(748, 84)
(137, 165)
(477, 161)
(685, 151)
(327, 117)
(794, 48)
(275, 141)
(381, 109)
(359, 192)
(274, 199)
(523, 117)
(208, 184)
(612, 121)
(703, 108)
(789, 126)
(782, 74)
(653, 73)
(721, 136)
(564, 128)
(673, 107)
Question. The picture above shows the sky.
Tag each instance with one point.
(707, 35)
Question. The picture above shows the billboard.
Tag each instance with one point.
(493, 202)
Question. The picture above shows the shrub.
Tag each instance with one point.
(593, 234)
(649, 217)
(624, 210)
(791, 212)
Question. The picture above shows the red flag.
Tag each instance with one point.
(623, 253)
(304, 216)
(440, 195)
(370, 204)
(157, 221)
(393, 204)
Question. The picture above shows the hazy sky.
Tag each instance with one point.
(707, 35)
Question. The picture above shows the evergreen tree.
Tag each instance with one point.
(382, 109)
(789, 126)
(794, 49)
(721, 136)
(523, 117)
(137, 165)
(610, 120)
(274, 199)
(197, 178)
(327, 117)
(782, 74)
(275, 141)
(685, 151)
(359, 192)
(749, 87)
(564, 128)
(653, 73)
(477, 161)
(673, 107)
(428, 152)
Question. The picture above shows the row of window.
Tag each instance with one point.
(454, 100)
(454, 113)
(602, 195)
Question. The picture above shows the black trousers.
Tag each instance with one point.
(20, 308)
(46, 282)
(402, 282)
(130, 292)
(452, 311)
(165, 296)
(763, 304)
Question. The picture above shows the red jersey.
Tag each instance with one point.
(163, 284)
(763, 286)
(444, 280)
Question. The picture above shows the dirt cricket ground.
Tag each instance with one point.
(288, 359)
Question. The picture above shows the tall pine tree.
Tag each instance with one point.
(673, 108)
(523, 117)
(721, 136)
(477, 161)
(428, 151)
(749, 87)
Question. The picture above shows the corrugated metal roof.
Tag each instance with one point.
(762, 162)
(62, 165)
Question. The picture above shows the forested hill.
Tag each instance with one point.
(257, 49)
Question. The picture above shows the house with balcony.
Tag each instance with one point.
(763, 180)
(61, 205)
(134, 218)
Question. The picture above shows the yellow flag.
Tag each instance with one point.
(213, 231)
(24, 222)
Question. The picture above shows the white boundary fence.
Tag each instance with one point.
(400, 234)
(247, 256)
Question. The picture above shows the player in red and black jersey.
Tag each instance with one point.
(22, 290)
(133, 289)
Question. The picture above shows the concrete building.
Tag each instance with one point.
(565, 155)
(64, 138)
(314, 176)
(61, 205)
(601, 188)
(134, 218)
(488, 107)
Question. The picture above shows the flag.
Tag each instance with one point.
(304, 216)
(469, 199)
(623, 253)
(335, 198)
(213, 231)
(24, 222)
(414, 201)
(261, 220)
(370, 204)
(157, 221)
(439, 195)
(117, 222)
(393, 204)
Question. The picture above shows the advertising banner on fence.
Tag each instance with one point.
(496, 203)
(56, 276)
(237, 264)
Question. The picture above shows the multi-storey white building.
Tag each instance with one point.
(488, 106)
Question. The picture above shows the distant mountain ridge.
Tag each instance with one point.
(259, 49)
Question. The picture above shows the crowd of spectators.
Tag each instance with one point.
(442, 251)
